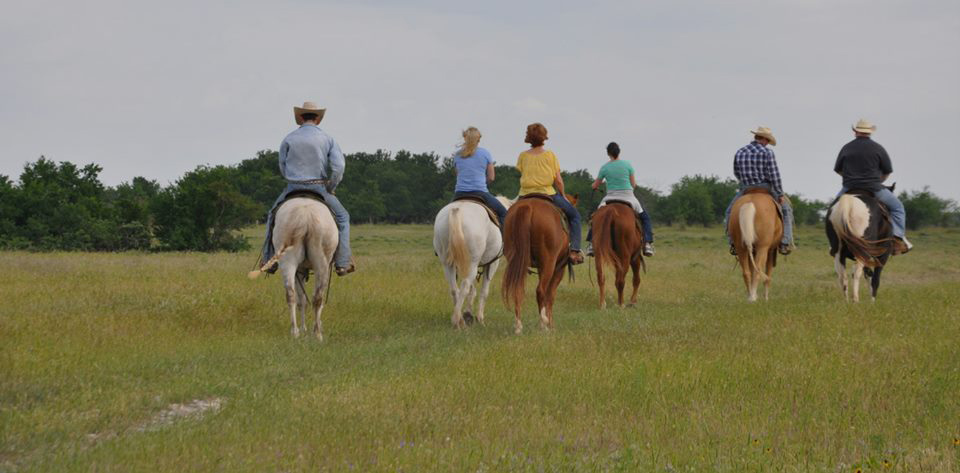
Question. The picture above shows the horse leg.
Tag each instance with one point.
(468, 291)
(758, 275)
(857, 274)
(552, 294)
(485, 288)
(601, 280)
(320, 288)
(302, 299)
(289, 274)
(635, 266)
(621, 282)
(747, 270)
(769, 279)
(840, 266)
(543, 287)
(875, 282)
(451, 274)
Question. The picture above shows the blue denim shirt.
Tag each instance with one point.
(309, 153)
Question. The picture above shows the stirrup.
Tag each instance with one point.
(347, 270)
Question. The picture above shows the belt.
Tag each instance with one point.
(311, 182)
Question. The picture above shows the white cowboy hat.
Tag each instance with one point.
(864, 126)
(765, 133)
(308, 107)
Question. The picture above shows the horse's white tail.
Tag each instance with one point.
(458, 255)
(748, 234)
(270, 262)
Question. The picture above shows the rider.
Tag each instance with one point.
(310, 160)
(864, 164)
(620, 183)
(755, 166)
(474, 168)
(540, 174)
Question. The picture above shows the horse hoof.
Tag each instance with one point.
(468, 318)
(319, 337)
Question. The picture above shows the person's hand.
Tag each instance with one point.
(783, 199)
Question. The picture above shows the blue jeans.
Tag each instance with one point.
(784, 207)
(341, 258)
(644, 224)
(488, 199)
(897, 213)
(572, 216)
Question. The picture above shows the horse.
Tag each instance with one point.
(469, 245)
(858, 229)
(756, 230)
(306, 237)
(535, 235)
(617, 240)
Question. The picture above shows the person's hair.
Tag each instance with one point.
(613, 150)
(309, 117)
(471, 139)
(536, 134)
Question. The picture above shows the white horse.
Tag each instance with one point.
(465, 239)
(305, 237)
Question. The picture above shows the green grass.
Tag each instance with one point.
(93, 346)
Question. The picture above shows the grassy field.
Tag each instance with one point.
(166, 362)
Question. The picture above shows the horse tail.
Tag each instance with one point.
(864, 251)
(458, 255)
(603, 241)
(516, 233)
(748, 234)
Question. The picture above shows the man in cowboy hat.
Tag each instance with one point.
(311, 160)
(755, 165)
(864, 164)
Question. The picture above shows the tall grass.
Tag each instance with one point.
(94, 346)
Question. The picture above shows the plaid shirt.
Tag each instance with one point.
(755, 165)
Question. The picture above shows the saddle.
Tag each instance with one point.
(563, 216)
(490, 213)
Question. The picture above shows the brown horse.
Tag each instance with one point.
(535, 236)
(617, 240)
(756, 230)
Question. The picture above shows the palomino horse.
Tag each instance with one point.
(305, 236)
(756, 230)
(536, 236)
(858, 230)
(466, 240)
(617, 240)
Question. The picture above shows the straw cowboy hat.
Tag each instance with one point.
(308, 107)
(765, 132)
(864, 126)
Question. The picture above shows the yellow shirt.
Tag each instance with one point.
(537, 172)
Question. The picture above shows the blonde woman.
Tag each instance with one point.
(474, 168)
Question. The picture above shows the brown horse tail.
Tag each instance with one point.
(865, 251)
(516, 233)
(748, 234)
(603, 242)
(458, 255)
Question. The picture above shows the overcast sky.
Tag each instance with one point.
(157, 88)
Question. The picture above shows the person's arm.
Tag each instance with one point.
(633, 180)
(774, 175)
(886, 167)
(838, 166)
(284, 148)
(337, 166)
(558, 184)
(596, 183)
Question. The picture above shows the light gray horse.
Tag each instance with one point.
(305, 236)
(465, 239)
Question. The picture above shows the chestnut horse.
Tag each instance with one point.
(756, 230)
(535, 235)
(617, 240)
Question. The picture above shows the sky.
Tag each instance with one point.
(155, 89)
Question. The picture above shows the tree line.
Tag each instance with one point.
(62, 206)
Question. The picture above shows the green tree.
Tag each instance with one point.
(926, 209)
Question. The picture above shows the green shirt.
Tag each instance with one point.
(617, 173)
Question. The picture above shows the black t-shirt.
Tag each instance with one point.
(863, 163)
